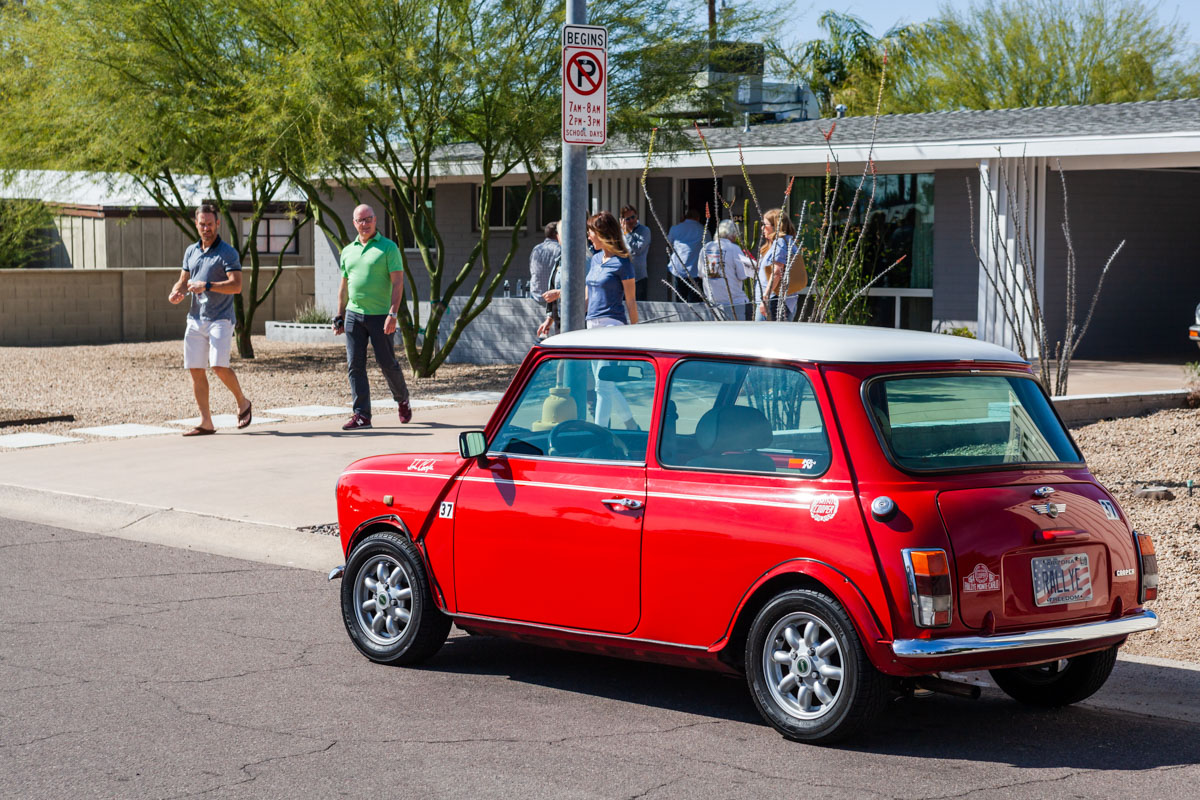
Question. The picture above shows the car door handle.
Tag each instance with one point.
(623, 503)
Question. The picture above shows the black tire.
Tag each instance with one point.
(807, 671)
(387, 604)
(1057, 683)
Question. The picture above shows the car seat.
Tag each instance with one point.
(731, 437)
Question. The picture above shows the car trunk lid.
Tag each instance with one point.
(1036, 554)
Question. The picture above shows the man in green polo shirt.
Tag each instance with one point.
(369, 297)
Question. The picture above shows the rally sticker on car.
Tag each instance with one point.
(1110, 510)
(422, 465)
(981, 579)
(446, 510)
(823, 507)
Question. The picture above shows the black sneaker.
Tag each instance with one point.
(405, 411)
(357, 422)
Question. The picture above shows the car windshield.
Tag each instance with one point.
(938, 422)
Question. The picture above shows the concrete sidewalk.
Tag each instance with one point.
(238, 493)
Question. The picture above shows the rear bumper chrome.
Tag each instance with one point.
(975, 645)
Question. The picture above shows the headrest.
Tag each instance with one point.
(733, 428)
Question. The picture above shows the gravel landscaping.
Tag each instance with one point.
(146, 383)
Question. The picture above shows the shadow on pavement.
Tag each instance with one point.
(992, 729)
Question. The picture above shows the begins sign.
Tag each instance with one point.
(585, 84)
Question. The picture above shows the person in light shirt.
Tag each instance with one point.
(724, 267)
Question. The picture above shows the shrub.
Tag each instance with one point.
(313, 314)
(25, 233)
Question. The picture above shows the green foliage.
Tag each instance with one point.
(1019, 53)
(1191, 373)
(962, 331)
(400, 91)
(25, 233)
(165, 94)
(847, 66)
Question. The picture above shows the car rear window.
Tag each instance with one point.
(939, 422)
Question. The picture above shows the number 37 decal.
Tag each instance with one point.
(446, 511)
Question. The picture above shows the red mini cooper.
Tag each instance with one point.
(836, 512)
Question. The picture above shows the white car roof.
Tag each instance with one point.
(797, 341)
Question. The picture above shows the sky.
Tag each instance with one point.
(881, 15)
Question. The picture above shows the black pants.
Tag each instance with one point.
(361, 328)
(691, 290)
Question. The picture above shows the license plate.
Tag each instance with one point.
(1061, 579)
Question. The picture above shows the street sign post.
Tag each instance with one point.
(585, 84)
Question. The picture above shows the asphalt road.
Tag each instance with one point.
(133, 670)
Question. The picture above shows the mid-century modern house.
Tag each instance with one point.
(1132, 174)
(105, 223)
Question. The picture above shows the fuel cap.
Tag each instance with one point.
(883, 508)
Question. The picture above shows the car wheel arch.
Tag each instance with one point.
(387, 522)
(391, 523)
(799, 574)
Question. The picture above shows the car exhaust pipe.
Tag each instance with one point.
(928, 684)
(337, 572)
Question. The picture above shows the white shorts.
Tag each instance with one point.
(207, 344)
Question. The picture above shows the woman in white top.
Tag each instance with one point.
(780, 247)
(725, 267)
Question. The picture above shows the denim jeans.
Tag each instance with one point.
(361, 328)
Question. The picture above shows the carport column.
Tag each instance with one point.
(573, 233)
(1012, 224)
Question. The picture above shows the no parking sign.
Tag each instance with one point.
(585, 84)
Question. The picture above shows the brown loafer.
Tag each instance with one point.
(198, 431)
(244, 416)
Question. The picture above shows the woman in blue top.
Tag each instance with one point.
(610, 277)
(610, 281)
(779, 255)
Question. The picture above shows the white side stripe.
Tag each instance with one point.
(395, 472)
(800, 500)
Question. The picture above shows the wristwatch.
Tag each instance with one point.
(393, 314)
(208, 286)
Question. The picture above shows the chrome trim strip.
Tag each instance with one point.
(974, 645)
(804, 499)
(579, 632)
(540, 485)
(497, 455)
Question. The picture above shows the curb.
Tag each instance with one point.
(250, 541)
(1084, 409)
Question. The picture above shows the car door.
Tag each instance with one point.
(548, 525)
(746, 480)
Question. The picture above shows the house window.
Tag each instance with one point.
(505, 207)
(551, 205)
(273, 235)
(401, 232)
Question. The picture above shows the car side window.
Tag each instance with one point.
(744, 417)
(582, 408)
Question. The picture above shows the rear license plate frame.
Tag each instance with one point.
(1061, 579)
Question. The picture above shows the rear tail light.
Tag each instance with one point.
(1148, 561)
(929, 587)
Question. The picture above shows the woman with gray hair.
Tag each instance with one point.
(724, 268)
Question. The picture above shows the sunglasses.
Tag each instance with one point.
(627, 219)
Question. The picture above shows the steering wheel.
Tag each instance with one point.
(595, 437)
